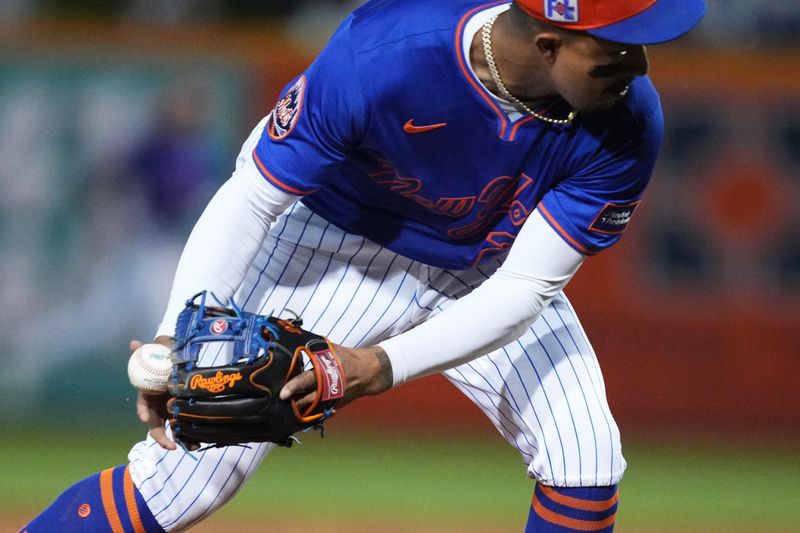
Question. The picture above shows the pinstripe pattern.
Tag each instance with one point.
(544, 393)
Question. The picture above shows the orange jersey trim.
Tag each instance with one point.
(466, 72)
(275, 181)
(573, 523)
(109, 504)
(579, 503)
(561, 231)
(130, 502)
(517, 124)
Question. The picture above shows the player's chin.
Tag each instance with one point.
(603, 103)
(603, 98)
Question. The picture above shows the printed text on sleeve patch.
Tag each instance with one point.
(613, 218)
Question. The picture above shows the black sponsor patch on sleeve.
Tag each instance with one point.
(613, 218)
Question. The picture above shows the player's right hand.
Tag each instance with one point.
(367, 371)
(152, 409)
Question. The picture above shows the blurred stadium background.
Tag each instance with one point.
(118, 119)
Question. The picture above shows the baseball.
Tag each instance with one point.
(150, 367)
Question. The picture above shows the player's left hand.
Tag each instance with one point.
(367, 372)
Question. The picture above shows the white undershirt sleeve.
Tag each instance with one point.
(226, 238)
(538, 266)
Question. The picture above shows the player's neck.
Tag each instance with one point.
(519, 63)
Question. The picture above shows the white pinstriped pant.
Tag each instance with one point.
(544, 392)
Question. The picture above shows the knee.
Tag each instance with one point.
(610, 461)
(589, 455)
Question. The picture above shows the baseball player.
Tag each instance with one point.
(421, 195)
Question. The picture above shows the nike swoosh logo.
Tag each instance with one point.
(409, 127)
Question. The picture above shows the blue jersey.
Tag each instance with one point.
(389, 134)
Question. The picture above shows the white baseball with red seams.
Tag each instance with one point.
(150, 367)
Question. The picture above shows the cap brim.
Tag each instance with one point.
(663, 21)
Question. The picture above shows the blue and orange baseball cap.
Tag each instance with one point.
(622, 21)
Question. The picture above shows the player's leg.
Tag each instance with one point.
(105, 502)
(545, 393)
(343, 286)
(183, 488)
(160, 490)
(546, 396)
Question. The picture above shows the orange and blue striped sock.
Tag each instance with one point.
(107, 502)
(569, 509)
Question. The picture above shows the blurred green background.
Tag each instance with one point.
(366, 481)
(120, 119)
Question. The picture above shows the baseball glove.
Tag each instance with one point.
(238, 402)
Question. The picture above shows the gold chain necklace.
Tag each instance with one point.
(486, 37)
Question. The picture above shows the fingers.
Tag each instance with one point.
(151, 411)
(147, 407)
(299, 386)
(142, 409)
(135, 344)
(166, 341)
(186, 444)
(151, 408)
(157, 403)
(159, 433)
(305, 401)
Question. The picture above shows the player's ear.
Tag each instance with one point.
(549, 44)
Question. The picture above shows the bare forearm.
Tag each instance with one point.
(368, 371)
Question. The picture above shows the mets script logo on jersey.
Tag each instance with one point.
(287, 110)
(503, 198)
(613, 218)
(219, 326)
(561, 10)
(216, 383)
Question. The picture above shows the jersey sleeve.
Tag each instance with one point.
(592, 207)
(318, 118)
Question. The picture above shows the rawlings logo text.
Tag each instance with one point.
(331, 374)
(215, 383)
